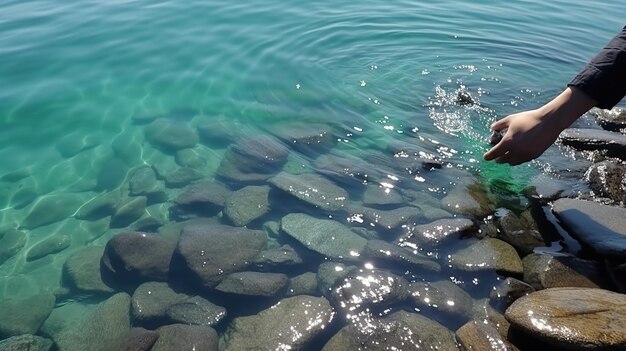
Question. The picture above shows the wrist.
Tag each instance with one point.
(567, 107)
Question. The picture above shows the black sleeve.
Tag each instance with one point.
(604, 77)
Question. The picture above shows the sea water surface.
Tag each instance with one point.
(80, 80)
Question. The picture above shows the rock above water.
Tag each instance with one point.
(171, 134)
(383, 251)
(325, 236)
(312, 189)
(253, 283)
(608, 179)
(24, 316)
(247, 204)
(481, 336)
(594, 139)
(26, 342)
(82, 272)
(434, 232)
(48, 246)
(11, 242)
(186, 337)
(139, 257)
(520, 231)
(50, 209)
(544, 271)
(488, 253)
(288, 325)
(613, 120)
(364, 289)
(196, 311)
(601, 227)
(510, 289)
(212, 251)
(572, 318)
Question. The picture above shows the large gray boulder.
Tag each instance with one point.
(207, 193)
(196, 311)
(544, 271)
(487, 254)
(51, 209)
(426, 235)
(442, 296)
(151, 300)
(386, 219)
(81, 271)
(383, 251)
(24, 316)
(608, 179)
(482, 336)
(247, 204)
(595, 139)
(170, 135)
(253, 283)
(51, 245)
(312, 189)
(186, 337)
(26, 342)
(364, 289)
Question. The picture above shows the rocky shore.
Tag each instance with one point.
(256, 251)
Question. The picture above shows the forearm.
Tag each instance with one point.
(564, 109)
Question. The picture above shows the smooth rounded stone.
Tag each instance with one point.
(112, 174)
(520, 231)
(484, 337)
(433, 233)
(484, 312)
(247, 204)
(72, 144)
(379, 196)
(99, 330)
(329, 273)
(186, 337)
(253, 283)
(383, 251)
(595, 139)
(364, 289)
(278, 257)
(432, 213)
(25, 316)
(545, 187)
(399, 331)
(170, 134)
(288, 325)
(219, 130)
(51, 245)
(210, 193)
(327, 237)
(196, 311)
(181, 177)
(81, 271)
(148, 224)
(312, 189)
(129, 212)
(346, 169)
(265, 150)
(496, 136)
(212, 251)
(26, 342)
(99, 207)
(544, 271)
(608, 179)
(229, 170)
(50, 209)
(11, 242)
(613, 120)
(470, 200)
(138, 256)
(443, 296)
(137, 339)
(303, 284)
(65, 315)
(151, 300)
(485, 254)
(190, 158)
(387, 219)
(16, 175)
(272, 228)
(143, 181)
(572, 318)
(307, 138)
(510, 289)
(23, 198)
(601, 227)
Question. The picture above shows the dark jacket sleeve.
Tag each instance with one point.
(604, 77)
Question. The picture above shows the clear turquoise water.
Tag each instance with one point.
(77, 73)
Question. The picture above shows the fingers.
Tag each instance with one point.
(501, 124)
(499, 150)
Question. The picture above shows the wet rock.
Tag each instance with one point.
(601, 227)
(595, 139)
(545, 187)
(520, 231)
(108, 323)
(443, 296)
(281, 256)
(186, 337)
(190, 158)
(212, 251)
(143, 181)
(572, 317)
(312, 189)
(81, 271)
(327, 237)
(382, 251)
(151, 300)
(171, 135)
(228, 171)
(181, 177)
(484, 312)
(219, 131)
(613, 120)
(253, 159)
(432, 213)
(99, 207)
(544, 271)
(129, 212)
(434, 232)
(24, 316)
(148, 224)
(510, 289)
(247, 204)
(137, 339)
(17, 175)
(365, 289)
(72, 144)
(48, 246)
(381, 197)
(608, 179)
(50, 209)
(496, 136)
(464, 98)
(139, 257)
(470, 200)
(400, 331)
(23, 198)
(272, 228)
(253, 283)
(307, 138)
(196, 311)
(26, 342)
(387, 219)
(346, 169)
(11, 242)
(303, 284)
(488, 253)
(283, 326)
(480, 336)
(329, 273)
(209, 193)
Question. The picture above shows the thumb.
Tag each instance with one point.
(499, 150)
(501, 124)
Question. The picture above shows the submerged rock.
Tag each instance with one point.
(303, 284)
(137, 339)
(481, 336)
(520, 231)
(208, 193)
(383, 251)
(277, 257)
(171, 135)
(253, 159)
(434, 232)
(186, 337)
(82, 272)
(572, 317)
(346, 169)
(471, 199)
(488, 253)
(50, 209)
(143, 181)
(25, 316)
(510, 289)
(99, 207)
(196, 311)
(544, 271)
(112, 174)
(289, 325)
(181, 177)
(26, 342)
(190, 158)
(442, 296)
(247, 204)
(312, 189)
(151, 300)
(378, 196)
(253, 283)
(329, 273)
(129, 212)
(11, 242)
(48, 246)
(327, 237)
(307, 138)
(365, 289)
(387, 219)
